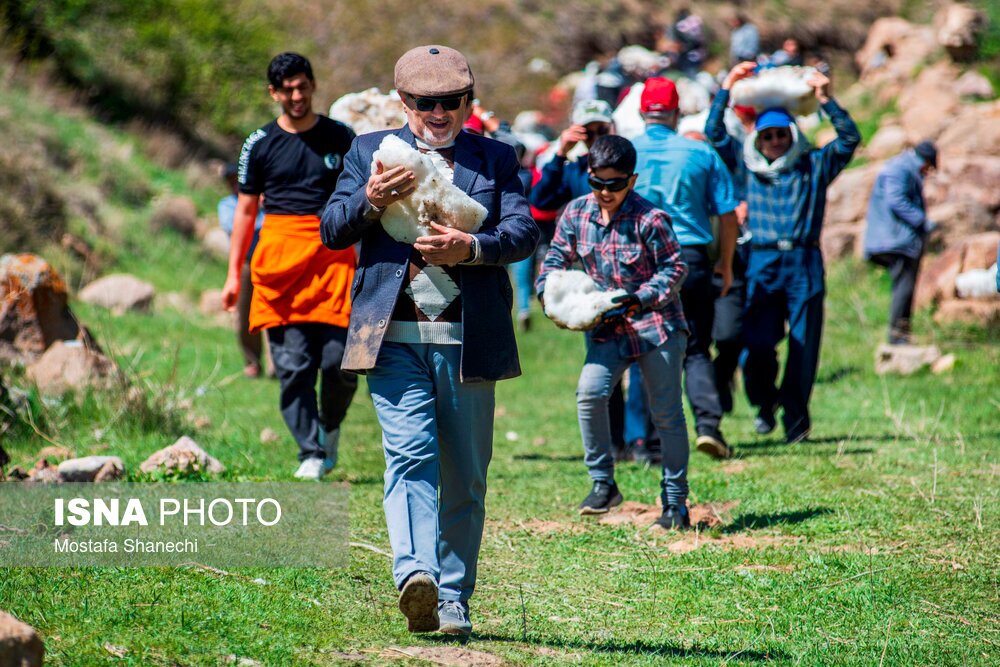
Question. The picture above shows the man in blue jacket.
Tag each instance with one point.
(897, 228)
(432, 330)
(786, 182)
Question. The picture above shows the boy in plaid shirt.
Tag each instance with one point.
(622, 241)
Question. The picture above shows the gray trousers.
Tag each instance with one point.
(301, 352)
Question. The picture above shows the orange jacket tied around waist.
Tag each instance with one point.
(296, 278)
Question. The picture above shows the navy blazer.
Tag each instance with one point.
(487, 171)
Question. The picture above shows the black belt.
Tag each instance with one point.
(784, 245)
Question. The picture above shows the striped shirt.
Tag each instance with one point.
(638, 252)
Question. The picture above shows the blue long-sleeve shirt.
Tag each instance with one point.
(896, 220)
(791, 206)
(561, 182)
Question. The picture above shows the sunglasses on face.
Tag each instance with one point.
(426, 104)
(611, 185)
(600, 131)
(776, 135)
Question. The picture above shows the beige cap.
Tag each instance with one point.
(433, 71)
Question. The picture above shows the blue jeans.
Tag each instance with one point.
(636, 412)
(437, 434)
(661, 373)
(524, 281)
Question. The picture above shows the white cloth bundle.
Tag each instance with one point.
(784, 87)
(435, 199)
(573, 301)
(977, 283)
(369, 111)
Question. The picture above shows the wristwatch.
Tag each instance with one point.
(487, 115)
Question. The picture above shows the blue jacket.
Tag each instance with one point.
(561, 182)
(897, 220)
(487, 171)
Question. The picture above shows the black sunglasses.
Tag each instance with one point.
(611, 185)
(426, 104)
(600, 131)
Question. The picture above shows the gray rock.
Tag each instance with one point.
(269, 436)
(119, 293)
(905, 359)
(70, 365)
(87, 468)
(216, 242)
(185, 454)
(20, 645)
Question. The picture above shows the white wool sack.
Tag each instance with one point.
(977, 283)
(573, 301)
(369, 111)
(435, 199)
(778, 87)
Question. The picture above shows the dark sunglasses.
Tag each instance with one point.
(426, 104)
(611, 185)
(774, 136)
(599, 132)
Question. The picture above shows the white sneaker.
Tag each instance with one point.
(312, 469)
(331, 442)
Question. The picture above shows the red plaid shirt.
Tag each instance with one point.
(638, 252)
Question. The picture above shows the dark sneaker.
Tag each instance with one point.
(764, 422)
(797, 431)
(454, 618)
(675, 517)
(602, 497)
(419, 603)
(711, 442)
(648, 452)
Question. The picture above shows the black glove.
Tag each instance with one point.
(626, 305)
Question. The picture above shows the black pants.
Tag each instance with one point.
(727, 331)
(302, 352)
(698, 300)
(903, 271)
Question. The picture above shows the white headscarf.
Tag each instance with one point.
(758, 164)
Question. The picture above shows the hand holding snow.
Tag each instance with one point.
(573, 301)
(787, 87)
(435, 199)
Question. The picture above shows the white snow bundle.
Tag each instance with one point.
(369, 111)
(638, 61)
(778, 87)
(435, 199)
(977, 283)
(573, 301)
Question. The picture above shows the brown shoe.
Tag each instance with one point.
(419, 603)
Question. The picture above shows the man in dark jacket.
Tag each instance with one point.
(431, 328)
(897, 228)
(786, 183)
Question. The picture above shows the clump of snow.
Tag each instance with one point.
(435, 199)
(784, 86)
(573, 300)
(369, 111)
(977, 283)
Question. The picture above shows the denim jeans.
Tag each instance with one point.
(437, 435)
(661, 373)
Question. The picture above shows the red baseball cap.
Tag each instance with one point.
(659, 95)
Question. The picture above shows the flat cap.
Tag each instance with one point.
(433, 71)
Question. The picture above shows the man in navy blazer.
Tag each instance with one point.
(431, 328)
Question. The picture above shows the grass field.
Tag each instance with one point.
(876, 543)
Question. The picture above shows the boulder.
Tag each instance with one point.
(981, 250)
(975, 130)
(70, 366)
(44, 473)
(888, 142)
(840, 241)
(185, 454)
(87, 468)
(847, 196)
(119, 293)
(177, 213)
(975, 85)
(210, 302)
(961, 217)
(980, 312)
(936, 280)
(20, 645)
(216, 242)
(930, 103)
(34, 310)
(944, 364)
(893, 49)
(973, 177)
(957, 28)
(904, 359)
(53, 452)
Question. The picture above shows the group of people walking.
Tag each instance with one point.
(724, 229)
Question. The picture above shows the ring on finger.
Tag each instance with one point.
(394, 192)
